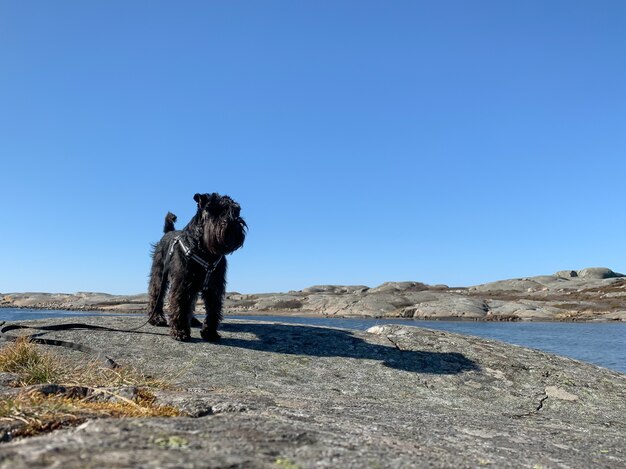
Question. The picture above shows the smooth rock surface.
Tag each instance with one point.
(271, 396)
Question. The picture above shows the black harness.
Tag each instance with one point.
(209, 267)
(189, 254)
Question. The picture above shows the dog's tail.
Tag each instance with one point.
(170, 219)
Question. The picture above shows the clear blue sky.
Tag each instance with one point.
(452, 142)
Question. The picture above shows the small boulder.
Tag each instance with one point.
(566, 274)
(598, 273)
(399, 287)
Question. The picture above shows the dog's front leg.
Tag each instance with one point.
(213, 298)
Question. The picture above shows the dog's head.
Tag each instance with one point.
(223, 229)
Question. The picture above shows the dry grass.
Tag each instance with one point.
(28, 413)
(35, 365)
(30, 363)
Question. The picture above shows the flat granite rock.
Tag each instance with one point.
(287, 396)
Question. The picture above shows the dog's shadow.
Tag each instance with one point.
(325, 342)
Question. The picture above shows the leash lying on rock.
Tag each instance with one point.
(35, 338)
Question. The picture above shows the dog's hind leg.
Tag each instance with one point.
(213, 298)
(157, 288)
(181, 307)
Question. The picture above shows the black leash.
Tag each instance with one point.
(209, 267)
(108, 361)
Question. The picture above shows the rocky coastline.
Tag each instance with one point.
(591, 294)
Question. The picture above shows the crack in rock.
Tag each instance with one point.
(395, 344)
(532, 412)
(541, 401)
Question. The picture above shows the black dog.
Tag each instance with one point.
(192, 261)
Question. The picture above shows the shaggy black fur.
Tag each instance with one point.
(217, 229)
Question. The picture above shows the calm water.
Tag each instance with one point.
(601, 343)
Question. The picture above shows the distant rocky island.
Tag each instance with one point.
(596, 293)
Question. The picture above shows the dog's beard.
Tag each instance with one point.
(224, 236)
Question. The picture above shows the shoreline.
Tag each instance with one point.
(308, 314)
(589, 295)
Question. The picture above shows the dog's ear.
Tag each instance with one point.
(201, 199)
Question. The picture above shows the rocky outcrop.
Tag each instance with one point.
(587, 294)
(294, 396)
(81, 301)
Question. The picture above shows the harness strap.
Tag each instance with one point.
(189, 254)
